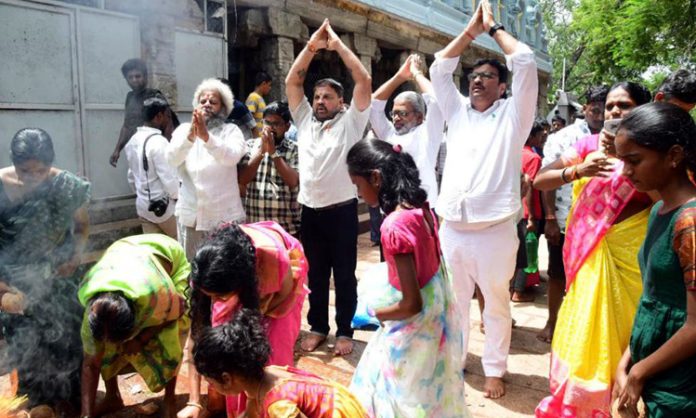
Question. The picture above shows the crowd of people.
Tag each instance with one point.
(247, 212)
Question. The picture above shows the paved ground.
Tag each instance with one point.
(526, 379)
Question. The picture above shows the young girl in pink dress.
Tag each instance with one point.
(411, 367)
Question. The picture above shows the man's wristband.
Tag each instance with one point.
(550, 218)
(466, 32)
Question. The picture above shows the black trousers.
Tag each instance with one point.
(330, 241)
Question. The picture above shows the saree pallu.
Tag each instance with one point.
(594, 324)
(279, 257)
(36, 237)
(130, 266)
(412, 368)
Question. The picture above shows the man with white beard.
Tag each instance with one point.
(206, 152)
(418, 134)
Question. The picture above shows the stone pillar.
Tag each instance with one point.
(158, 51)
(277, 55)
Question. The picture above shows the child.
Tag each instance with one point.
(232, 358)
(412, 365)
(657, 143)
(529, 228)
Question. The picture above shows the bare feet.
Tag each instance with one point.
(546, 334)
(522, 297)
(344, 346)
(312, 341)
(494, 387)
(110, 403)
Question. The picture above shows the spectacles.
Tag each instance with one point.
(273, 124)
(400, 113)
(484, 75)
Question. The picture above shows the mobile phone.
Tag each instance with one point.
(611, 126)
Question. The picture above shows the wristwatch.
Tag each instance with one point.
(275, 155)
(495, 28)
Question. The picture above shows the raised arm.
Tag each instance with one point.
(294, 82)
(459, 44)
(363, 82)
(387, 89)
(505, 41)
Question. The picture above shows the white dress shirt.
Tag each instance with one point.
(422, 142)
(481, 180)
(323, 148)
(556, 145)
(160, 175)
(208, 172)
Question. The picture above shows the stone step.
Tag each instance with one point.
(104, 234)
(103, 211)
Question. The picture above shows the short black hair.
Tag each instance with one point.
(558, 118)
(134, 64)
(400, 179)
(330, 82)
(153, 107)
(639, 94)
(502, 69)
(111, 317)
(32, 144)
(261, 77)
(661, 125)
(278, 108)
(239, 347)
(538, 126)
(680, 85)
(596, 94)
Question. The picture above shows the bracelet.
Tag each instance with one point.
(466, 32)
(550, 218)
(311, 48)
(195, 405)
(563, 177)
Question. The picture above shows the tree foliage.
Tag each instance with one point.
(604, 41)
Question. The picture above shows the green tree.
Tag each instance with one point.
(604, 41)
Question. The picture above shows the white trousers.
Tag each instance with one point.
(485, 258)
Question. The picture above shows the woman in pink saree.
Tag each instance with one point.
(255, 266)
(605, 229)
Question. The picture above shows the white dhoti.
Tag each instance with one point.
(486, 258)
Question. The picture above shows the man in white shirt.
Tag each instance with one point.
(159, 178)
(480, 192)
(418, 134)
(326, 130)
(557, 202)
(205, 153)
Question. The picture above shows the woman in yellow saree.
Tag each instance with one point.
(606, 227)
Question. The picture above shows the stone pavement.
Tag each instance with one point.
(527, 381)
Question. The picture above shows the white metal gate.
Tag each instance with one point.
(61, 72)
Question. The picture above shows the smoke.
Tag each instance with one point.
(43, 343)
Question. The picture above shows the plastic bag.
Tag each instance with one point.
(374, 292)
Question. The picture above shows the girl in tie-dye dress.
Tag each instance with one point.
(411, 367)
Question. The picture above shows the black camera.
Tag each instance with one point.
(159, 206)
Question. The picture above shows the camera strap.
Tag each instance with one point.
(146, 166)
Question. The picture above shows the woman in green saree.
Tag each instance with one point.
(43, 231)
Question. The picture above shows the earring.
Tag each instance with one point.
(674, 165)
